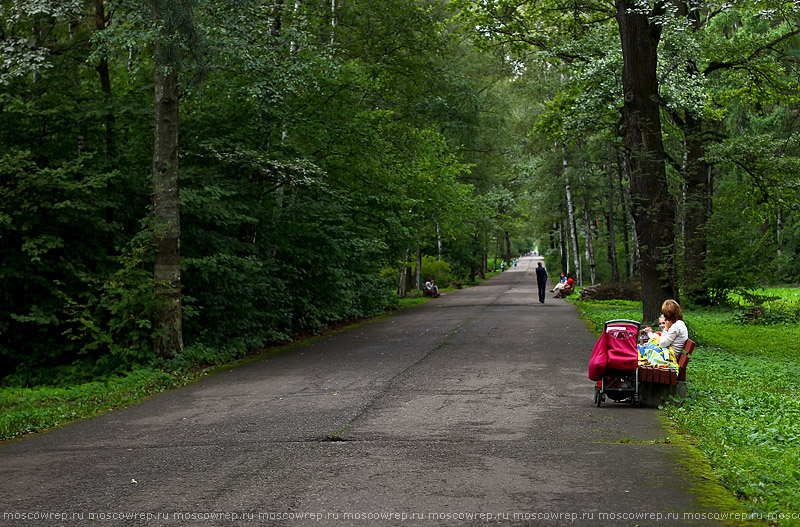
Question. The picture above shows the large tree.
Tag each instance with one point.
(653, 206)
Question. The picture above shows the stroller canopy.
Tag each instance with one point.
(615, 349)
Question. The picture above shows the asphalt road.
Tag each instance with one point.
(473, 409)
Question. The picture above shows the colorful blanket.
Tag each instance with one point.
(653, 356)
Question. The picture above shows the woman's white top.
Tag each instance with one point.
(676, 336)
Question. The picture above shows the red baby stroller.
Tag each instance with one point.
(615, 361)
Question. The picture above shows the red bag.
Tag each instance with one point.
(599, 359)
(615, 349)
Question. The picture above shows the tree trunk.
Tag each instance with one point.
(439, 240)
(573, 231)
(587, 229)
(333, 22)
(496, 250)
(612, 236)
(697, 184)
(418, 275)
(105, 79)
(626, 218)
(299, 22)
(276, 18)
(168, 339)
(563, 247)
(402, 286)
(696, 210)
(485, 255)
(653, 208)
(402, 278)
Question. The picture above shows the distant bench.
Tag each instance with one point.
(564, 292)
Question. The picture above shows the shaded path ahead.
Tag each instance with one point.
(476, 402)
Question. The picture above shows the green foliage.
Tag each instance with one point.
(766, 307)
(51, 219)
(113, 326)
(439, 270)
(306, 167)
(313, 157)
(26, 410)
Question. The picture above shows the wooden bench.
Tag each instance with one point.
(659, 376)
(563, 293)
(660, 383)
(429, 291)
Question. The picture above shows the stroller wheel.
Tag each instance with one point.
(598, 397)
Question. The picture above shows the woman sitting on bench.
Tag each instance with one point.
(662, 348)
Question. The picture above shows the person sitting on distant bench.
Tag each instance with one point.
(431, 288)
(562, 283)
(568, 288)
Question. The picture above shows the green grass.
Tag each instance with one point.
(743, 407)
(26, 410)
(784, 294)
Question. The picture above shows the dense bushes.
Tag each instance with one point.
(304, 170)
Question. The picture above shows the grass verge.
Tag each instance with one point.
(743, 405)
(27, 410)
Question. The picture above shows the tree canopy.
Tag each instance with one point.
(230, 174)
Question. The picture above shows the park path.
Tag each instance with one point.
(473, 409)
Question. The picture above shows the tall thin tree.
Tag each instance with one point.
(175, 20)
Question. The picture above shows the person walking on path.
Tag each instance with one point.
(541, 279)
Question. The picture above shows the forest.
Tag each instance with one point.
(184, 181)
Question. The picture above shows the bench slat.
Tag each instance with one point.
(657, 375)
